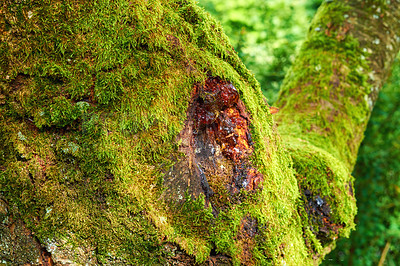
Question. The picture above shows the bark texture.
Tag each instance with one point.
(131, 133)
(343, 64)
(325, 103)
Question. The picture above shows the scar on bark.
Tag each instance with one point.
(216, 144)
(319, 215)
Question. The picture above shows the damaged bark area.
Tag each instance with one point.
(216, 143)
(319, 216)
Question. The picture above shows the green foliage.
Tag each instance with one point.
(377, 186)
(266, 35)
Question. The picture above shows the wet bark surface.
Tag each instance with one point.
(319, 215)
(216, 142)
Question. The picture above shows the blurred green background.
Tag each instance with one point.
(267, 35)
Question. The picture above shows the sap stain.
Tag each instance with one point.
(216, 141)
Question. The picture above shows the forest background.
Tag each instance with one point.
(267, 36)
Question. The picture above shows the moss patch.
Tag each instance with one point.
(325, 91)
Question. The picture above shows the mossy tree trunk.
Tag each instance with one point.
(131, 133)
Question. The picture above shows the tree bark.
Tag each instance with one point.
(131, 133)
(337, 76)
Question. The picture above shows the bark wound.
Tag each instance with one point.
(319, 215)
(216, 142)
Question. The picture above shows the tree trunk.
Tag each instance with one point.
(131, 133)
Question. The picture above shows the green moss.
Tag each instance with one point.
(195, 233)
(325, 90)
(108, 87)
(327, 178)
(96, 95)
(324, 112)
